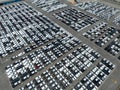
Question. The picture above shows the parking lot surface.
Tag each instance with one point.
(54, 45)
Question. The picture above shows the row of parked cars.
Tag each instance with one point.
(13, 7)
(117, 20)
(21, 25)
(95, 31)
(30, 64)
(64, 72)
(30, 29)
(96, 77)
(110, 33)
(75, 19)
(106, 37)
(99, 9)
(9, 42)
(114, 46)
(49, 5)
(101, 34)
